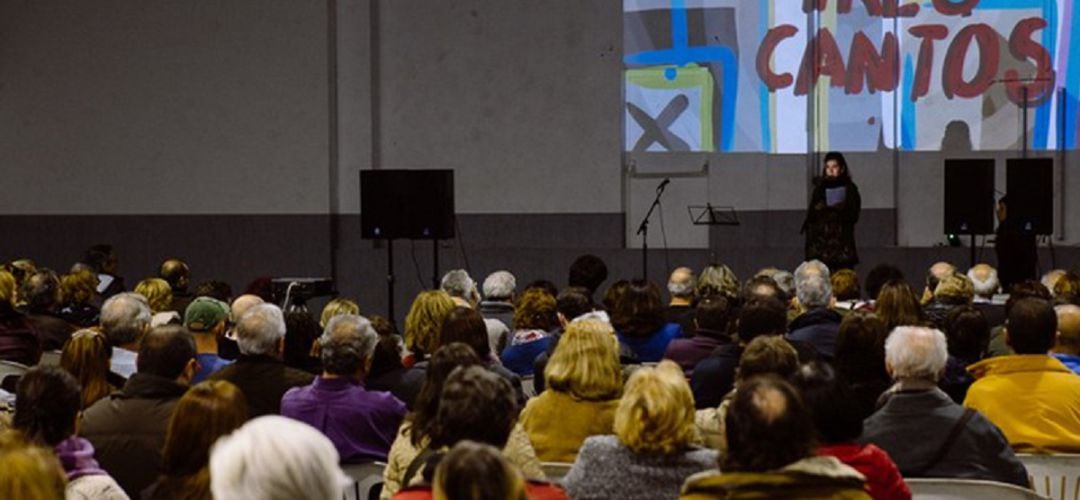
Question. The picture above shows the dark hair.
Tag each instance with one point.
(897, 305)
(573, 301)
(1027, 289)
(835, 410)
(878, 276)
(426, 406)
(768, 354)
(845, 174)
(97, 256)
(588, 271)
(968, 333)
(762, 316)
(467, 326)
(860, 348)
(761, 287)
(763, 436)
(714, 316)
(477, 471)
(1032, 326)
(640, 311)
(387, 355)
(215, 289)
(47, 399)
(301, 331)
(614, 294)
(477, 405)
(545, 285)
(165, 351)
(207, 411)
(845, 285)
(41, 290)
(176, 272)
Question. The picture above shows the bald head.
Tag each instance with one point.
(176, 272)
(1051, 278)
(1068, 340)
(241, 304)
(984, 278)
(681, 284)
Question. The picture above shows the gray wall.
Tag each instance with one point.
(244, 123)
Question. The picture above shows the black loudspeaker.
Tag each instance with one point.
(407, 204)
(1030, 189)
(969, 196)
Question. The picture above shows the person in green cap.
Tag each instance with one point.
(205, 318)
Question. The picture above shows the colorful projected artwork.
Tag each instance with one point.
(791, 76)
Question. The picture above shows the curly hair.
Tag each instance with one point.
(535, 308)
(656, 411)
(423, 324)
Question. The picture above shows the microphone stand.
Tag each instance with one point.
(643, 230)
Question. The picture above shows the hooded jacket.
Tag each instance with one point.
(809, 478)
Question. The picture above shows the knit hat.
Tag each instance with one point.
(204, 313)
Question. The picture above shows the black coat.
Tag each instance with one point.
(830, 231)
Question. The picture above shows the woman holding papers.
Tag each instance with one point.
(831, 216)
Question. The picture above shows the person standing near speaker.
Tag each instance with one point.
(1015, 247)
(830, 219)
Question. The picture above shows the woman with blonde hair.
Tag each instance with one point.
(21, 342)
(337, 307)
(424, 323)
(86, 356)
(654, 438)
(584, 381)
(207, 411)
(159, 296)
(30, 472)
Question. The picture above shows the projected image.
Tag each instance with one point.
(790, 76)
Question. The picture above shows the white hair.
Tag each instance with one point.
(985, 288)
(260, 329)
(124, 317)
(814, 291)
(459, 284)
(916, 352)
(499, 285)
(275, 458)
(809, 269)
(682, 288)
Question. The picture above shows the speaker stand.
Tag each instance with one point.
(972, 251)
(390, 281)
(435, 264)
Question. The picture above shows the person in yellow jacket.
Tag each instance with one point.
(1031, 396)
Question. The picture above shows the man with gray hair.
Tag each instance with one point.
(461, 288)
(680, 309)
(498, 307)
(362, 424)
(817, 323)
(984, 278)
(125, 318)
(924, 431)
(259, 371)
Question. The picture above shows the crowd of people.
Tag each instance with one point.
(812, 382)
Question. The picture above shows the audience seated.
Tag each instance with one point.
(784, 281)
(227, 347)
(259, 372)
(878, 276)
(18, 340)
(653, 449)
(158, 296)
(818, 323)
(178, 275)
(937, 272)
(80, 300)
(414, 434)
(274, 458)
(302, 331)
(681, 287)
(86, 357)
(897, 305)
(478, 472)
(765, 355)
(1029, 289)
(461, 288)
(838, 422)
(641, 322)
(336, 307)
(952, 291)
(125, 318)
(984, 279)
(1051, 278)
(361, 423)
(41, 291)
(1067, 289)
(204, 413)
(387, 369)
(589, 272)
(760, 287)
(1067, 347)
(584, 381)
(771, 451)
(127, 428)
(846, 291)
(215, 290)
(1031, 396)
(102, 259)
(534, 321)
(968, 336)
(423, 332)
(467, 326)
(714, 376)
(29, 471)
(47, 408)
(571, 303)
(860, 360)
(711, 328)
(206, 319)
(925, 432)
(717, 279)
(498, 308)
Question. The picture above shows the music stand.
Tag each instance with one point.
(708, 215)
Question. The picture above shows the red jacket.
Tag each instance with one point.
(882, 477)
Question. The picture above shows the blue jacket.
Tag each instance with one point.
(651, 349)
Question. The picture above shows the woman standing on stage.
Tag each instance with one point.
(831, 216)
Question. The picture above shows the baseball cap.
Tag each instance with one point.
(204, 313)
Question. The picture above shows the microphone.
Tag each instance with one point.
(662, 185)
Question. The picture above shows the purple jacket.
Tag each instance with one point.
(362, 424)
(689, 352)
